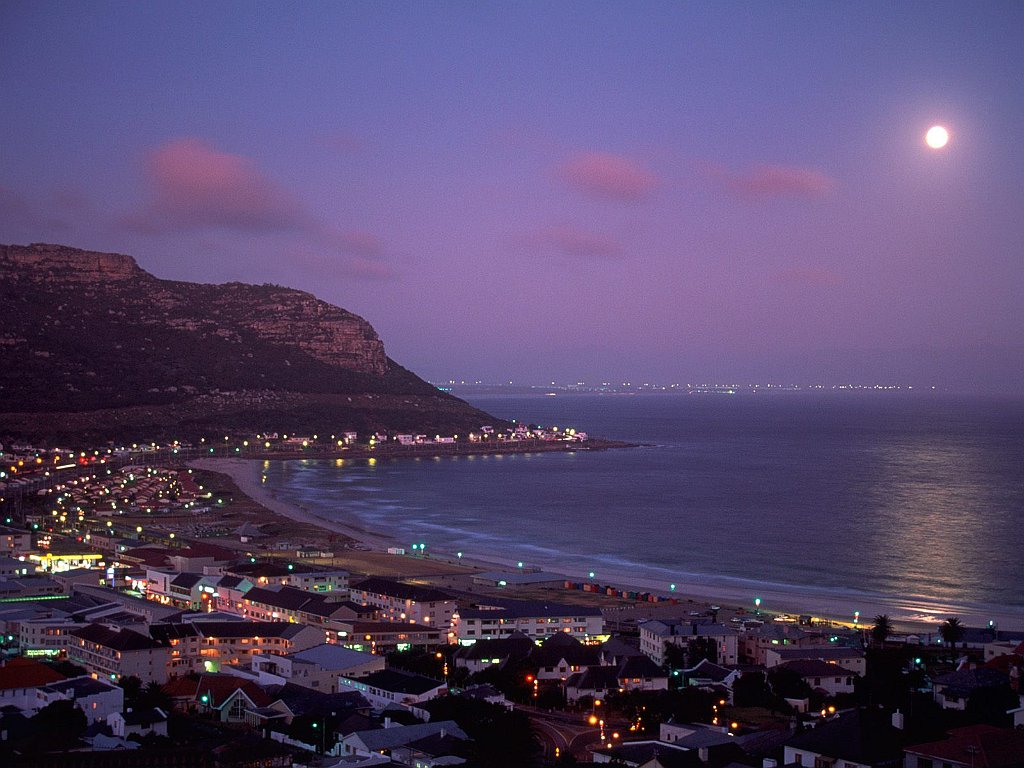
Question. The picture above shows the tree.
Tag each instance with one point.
(153, 695)
(951, 631)
(882, 629)
(751, 690)
(499, 737)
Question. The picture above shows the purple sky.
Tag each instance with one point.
(536, 191)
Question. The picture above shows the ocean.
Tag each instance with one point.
(911, 504)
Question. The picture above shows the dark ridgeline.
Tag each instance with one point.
(92, 347)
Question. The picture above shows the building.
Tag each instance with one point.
(19, 679)
(392, 686)
(205, 646)
(406, 603)
(952, 690)
(657, 635)
(856, 739)
(535, 619)
(319, 667)
(117, 653)
(849, 658)
(96, 698)
(822, 675)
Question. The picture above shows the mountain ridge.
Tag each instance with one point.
(86, 332)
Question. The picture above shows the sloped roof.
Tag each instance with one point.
(564, 646)
(966, 680)
(640, 666)
(861, 736)
(20, 672)
(219, 687)
(516, 645)
(594, 679)
(707, 670)
(983, 746)
(389, 738)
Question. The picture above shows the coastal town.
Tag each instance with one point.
(154, 613)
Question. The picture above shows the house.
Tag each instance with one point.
(974, 746)
(711, 677)
(822, 675)
(852, 659)
(19, 678)
(118, 653)
(96, 698)
(392, 686)
(533, 618)
(860, 738)
(141, 722)
(637, 673)
(228, 697)
(562, 655)
(952, 690)
(383, 741)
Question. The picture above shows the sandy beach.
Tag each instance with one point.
(907, 614)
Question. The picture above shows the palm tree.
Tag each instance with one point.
(951, 631)
(882, 629)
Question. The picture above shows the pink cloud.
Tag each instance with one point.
(767, 181)
(358, 242)
(609, 176)
(574, 242)
(807, 276)
(199, 187)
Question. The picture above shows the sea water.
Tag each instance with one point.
(911, 498)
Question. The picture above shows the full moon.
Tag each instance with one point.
(937, 137)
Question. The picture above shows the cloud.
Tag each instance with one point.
(613, 177)
(357, 242)
(574, 242)
(772, 181)
(196, 186)
(807, 276)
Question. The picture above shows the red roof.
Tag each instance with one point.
(20, 672)
(218, 687)
(983, 746)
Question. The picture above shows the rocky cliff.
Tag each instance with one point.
(90, 333)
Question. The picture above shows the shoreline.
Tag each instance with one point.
(912, 614)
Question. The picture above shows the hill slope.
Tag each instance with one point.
(120, 353)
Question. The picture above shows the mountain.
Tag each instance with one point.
(92, 347)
